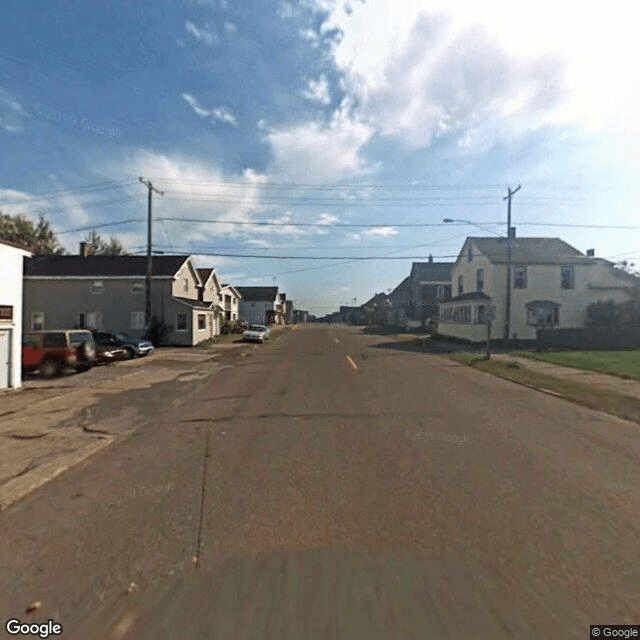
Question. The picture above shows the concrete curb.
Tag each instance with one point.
(15, 489)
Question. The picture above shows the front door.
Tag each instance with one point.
(5, 365)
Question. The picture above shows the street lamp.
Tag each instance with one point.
(474, 224)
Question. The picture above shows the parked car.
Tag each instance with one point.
(109, 354)
(256, 333)
(50, 352)
(133, 347)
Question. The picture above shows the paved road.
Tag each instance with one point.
(332, 485)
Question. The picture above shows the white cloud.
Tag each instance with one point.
(229, 27)
(374, 232)
(204, 35)
(12, 113)
(314, 152)
(312, 36)
(318, 90)
(193, 103)
(223, 114)
(328, 218)
(423, 68)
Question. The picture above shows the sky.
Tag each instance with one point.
(290, 138)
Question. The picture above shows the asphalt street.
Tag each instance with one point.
(331, 484)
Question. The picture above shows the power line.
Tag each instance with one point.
(98, 226)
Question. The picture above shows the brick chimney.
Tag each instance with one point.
(430, 258)
(84, 249)
(512, 233)
(591, 253)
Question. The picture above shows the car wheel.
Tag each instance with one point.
(51, 368)
(129, 352)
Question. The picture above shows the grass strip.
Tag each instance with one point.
(617, 404)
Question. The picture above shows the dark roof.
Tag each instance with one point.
(101, 265)
(379, 298)
(402, 291)
(434, 271)
(471, 295)
(194, 304)
(204, 274)
(530, 251)
(258, 294)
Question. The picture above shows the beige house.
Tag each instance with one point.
(109, 293)
(230, 302)
(552, 284)
(12, 257)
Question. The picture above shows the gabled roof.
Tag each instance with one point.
(15, 245)
(194, 304)
(258, 294)
(432, 271)
(402, 291)
(101, 265)
(379, 298)
(528, 251)
(204, 274)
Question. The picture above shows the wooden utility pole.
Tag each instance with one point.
(507, 309)
(147, 314)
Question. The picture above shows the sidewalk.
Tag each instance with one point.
(600, 380)
(49, 426)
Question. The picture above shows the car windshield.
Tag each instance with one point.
(125, 337)
(256, 327)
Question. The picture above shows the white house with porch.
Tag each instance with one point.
(552, 284)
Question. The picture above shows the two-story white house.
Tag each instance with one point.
(230, 302)
(552, 284)
(11, 266)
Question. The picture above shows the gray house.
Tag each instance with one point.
(108, 292)
(259, 305)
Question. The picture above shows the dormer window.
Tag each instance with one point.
(185, 286)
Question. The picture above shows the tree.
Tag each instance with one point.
(97, 246)
(37, 237)
(627, 267)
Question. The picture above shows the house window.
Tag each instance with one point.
(137, 287)
(543, 313)
(202, 321)
(440, 292)
(482, 316)
(470, 253)
(185, 285)
(460, 285)
(519, 277)
(93, 320)
(480, 280)
(181, 322)
(567, 277)
(137, 320)
(97, 286)
(37, 321)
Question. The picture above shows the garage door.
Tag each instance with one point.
(4, 359)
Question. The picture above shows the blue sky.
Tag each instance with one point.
(385, 113)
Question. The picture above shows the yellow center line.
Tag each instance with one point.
(351, 362)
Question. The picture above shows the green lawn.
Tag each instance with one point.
(625, 364)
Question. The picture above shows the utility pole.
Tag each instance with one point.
(147, 314)
(507, 309)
